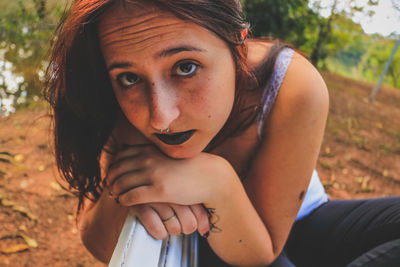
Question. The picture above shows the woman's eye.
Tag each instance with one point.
(128, 79)
(185, 69)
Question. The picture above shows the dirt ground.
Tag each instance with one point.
(360, 158)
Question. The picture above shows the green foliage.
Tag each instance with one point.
(375, 60)
(289, 20)
(26, 27)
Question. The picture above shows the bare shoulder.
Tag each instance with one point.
(303, 84)
(293, 133)
(302, 97)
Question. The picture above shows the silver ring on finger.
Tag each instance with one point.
(169, 219)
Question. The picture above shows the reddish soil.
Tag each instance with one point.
(360, 158)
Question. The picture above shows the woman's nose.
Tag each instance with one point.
(163, 107)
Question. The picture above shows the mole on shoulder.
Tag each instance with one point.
(240, 241)
(301, 196)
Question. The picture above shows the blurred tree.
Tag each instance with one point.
(346, 44)
(26, 26)
(334, 9)
(289, 20)
(376, 58)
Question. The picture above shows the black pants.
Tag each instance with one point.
(346, 233)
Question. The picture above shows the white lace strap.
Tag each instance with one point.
(272, 88)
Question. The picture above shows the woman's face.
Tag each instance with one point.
(168, 73)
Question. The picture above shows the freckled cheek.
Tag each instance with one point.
(198, 99)
(134, 108)
(211, 98)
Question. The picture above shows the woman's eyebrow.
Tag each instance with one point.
(175, 50)
(164, 53)
(119, 65)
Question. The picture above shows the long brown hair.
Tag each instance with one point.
(80, 92)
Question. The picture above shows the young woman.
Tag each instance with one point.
(165, 107)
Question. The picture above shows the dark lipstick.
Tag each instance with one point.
(175, 138)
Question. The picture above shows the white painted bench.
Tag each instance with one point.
(136, 248)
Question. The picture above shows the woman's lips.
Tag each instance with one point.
(175, 138)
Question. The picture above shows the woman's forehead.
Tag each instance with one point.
(121, 26)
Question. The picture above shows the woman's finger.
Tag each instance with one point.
(129, 180)
(143, 194)
(203, 223)
(168, 217)
(129, 151)
(151, 221)
(124, 162)
(124, 166)
(186, 217)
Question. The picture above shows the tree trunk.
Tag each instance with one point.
(324, 31)
(394, 77)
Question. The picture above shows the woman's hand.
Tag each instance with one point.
(142, 174)
(165, 193)
(161, 219)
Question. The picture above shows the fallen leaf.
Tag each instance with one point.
(19, 158)
(22, 228)
(41, 168)
(326, 165)
(385, 173)
(29, 241)
(7, 203)
(15, 249)
(18, 208)
(24, 184)
(2, 195)
(336, 185)
(365, 187)
(70, 217)
(22, 168)
(5, 157)
(24, 212)
(327, 150)
(55, 186)
(5, 160)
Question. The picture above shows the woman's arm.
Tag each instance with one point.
(254, 232)
(281, 172)
(100, 224)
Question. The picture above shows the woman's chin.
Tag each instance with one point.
(180, 151)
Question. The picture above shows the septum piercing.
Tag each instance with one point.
(167, 130)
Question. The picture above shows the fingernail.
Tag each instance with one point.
(206, 234)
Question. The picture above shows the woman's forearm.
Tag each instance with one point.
(100, 226)
(241, 238)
